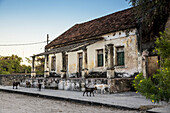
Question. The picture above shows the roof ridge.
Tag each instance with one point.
(104, 16)
(109, 23)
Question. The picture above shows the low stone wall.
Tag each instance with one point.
(74, 84)
(77, 84)
(8, 80)
(120, 84)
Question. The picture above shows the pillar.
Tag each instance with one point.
(63, 71)
(110, 68)
(46, 68)
(33, 74)
(145, 55)
(85, 69)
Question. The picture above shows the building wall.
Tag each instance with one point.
(120, 38)
(59, 63)
(72, 62)
(92, 56)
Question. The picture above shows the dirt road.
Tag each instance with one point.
(17, 103)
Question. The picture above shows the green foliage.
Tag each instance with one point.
(40, 65)
(25, 69)
(5, 72)
(157, 88)
(12, 64)
(28, 60)
(163, 48)
(151, 16)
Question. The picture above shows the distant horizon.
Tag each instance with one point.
(30, 21)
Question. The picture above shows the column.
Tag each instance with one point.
(33, 74)
(110, 68)
(63, 71)
(85, 69)
(46, 68)
(145, 55)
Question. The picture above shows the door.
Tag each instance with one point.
(152, 65)
(80, 57)
(67, 63)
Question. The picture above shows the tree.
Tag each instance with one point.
(12, 64)
(151, 16)
(25, 69)
(157, 88)
(40, 65)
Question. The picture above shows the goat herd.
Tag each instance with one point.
(102, 87)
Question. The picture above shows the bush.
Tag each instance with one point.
(157, 88)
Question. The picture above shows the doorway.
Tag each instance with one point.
(80, 63)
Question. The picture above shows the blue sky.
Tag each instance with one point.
(27, 21)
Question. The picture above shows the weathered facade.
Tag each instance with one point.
(99, 57)
(106, 47)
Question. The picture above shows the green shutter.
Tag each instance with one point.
(120, 58)
(100, 60)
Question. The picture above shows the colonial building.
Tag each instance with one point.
(106, 47)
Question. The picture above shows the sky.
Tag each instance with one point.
(29, 21)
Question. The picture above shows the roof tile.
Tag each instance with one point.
(114, 22)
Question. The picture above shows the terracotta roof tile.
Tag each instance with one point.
(114, 22)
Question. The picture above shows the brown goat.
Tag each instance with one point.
(91, 90)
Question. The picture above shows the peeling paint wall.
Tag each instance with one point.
(120, 38)
(92, 56)
(59, 63)
(72, 62)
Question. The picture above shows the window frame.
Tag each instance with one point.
(120, 53)
(100, 58)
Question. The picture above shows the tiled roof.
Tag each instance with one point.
(114, 22)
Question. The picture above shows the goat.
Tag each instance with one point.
(91, 90)
(103, 87)
(28, 84)
(15, 84)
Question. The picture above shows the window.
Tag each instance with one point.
(99, 58)
(53, 63)
(120, 56)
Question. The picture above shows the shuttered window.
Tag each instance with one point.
(99, 58)
(120, 56)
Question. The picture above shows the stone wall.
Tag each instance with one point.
(73, 84)
(120, 84)
(77, 84)
(9, 79)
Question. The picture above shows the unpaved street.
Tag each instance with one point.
(17, 103)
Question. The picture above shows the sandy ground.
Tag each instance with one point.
(17, 103)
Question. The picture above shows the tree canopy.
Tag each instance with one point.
(12, 64)
(151, 16)
(40, 65)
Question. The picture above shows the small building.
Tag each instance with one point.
(106, 47)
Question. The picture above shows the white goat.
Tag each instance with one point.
(102, 87)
